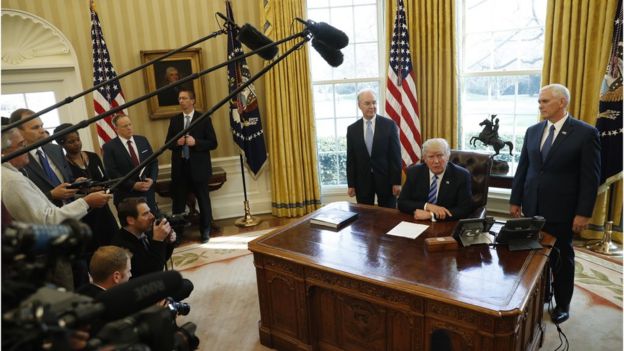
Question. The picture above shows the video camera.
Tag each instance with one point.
(36, 315)
(175, 220)
(86, 184)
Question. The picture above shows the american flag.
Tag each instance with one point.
(401, 100)
(245, 119)
(110, 95)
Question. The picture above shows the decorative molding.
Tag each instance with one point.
(26, 37)
(414, 303)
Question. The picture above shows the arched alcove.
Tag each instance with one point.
(37, 56)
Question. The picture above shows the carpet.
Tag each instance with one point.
(217, 249)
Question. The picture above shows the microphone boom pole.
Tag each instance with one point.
(87, 122)
(220, 103)
(69, 99)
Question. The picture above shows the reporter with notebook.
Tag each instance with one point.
(436, 189)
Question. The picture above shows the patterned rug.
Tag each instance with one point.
(599, 276)
(217, 249)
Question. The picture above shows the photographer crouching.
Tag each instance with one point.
(150, 241)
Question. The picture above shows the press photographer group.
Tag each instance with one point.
(139, 314)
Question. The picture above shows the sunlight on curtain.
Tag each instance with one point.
(290, 121)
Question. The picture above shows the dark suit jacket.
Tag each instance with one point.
(385, 160)
(118, 163)
(566, 183)
(143, 261)
(36, 173)
(205, 140)
(90, 290)
(455, 192)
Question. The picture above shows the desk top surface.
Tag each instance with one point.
(491, 279)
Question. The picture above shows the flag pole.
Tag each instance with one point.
(247, 220)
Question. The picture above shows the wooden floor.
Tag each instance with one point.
(225, 227)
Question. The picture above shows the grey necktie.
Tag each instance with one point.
(186, 153)
(368, 137)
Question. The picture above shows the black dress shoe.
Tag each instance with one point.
(205, 236)
(560, 315)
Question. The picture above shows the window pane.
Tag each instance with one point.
(366, 25)
(317, 3)
(345, 100)
(367, 60)
(32, 101)
(323, 101)
(10, 103)
(319, 15)
(500, 37)
(347, 69)
(325, 129)
(342, 18)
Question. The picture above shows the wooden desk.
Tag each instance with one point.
(359, 289)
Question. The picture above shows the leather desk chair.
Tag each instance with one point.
(479, 165)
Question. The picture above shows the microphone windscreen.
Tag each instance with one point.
(330, 35)
(253, 39)
(332, 56)
(138, 293)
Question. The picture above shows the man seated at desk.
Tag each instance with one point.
(436, 190)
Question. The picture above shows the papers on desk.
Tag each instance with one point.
(408, 230)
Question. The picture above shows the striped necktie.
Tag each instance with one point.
(186, 152)
(433, 189)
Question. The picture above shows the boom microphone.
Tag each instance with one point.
(253, 39)
(333, 37)
(138, 293)
(332, 56)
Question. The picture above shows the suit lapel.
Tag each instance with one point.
(34, 167)
(125, 151)
(564, 134)
(446, 181)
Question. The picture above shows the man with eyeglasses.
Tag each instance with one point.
(373, 155)
(436, 189)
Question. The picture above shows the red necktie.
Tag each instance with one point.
(133, 155)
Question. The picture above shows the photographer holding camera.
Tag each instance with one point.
(150, 242)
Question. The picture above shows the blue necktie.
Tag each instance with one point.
(47, 169)
(548, 142)
(368, 138)
(433, 189)
(186, 153)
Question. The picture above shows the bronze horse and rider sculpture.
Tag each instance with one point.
(489, 136)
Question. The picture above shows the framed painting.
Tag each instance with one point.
(171, 69)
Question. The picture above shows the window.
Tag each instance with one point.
(33, 101)
(335, 89)
(501, 57)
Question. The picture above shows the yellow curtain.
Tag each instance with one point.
(577, 45)
(431, 25)
(290, 121)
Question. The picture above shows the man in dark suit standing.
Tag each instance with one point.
(191, 166)
(557, 178)
(124, 153)
(47, 167)
(373, 155)
(437, 190)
